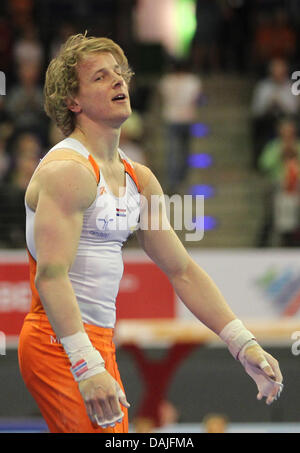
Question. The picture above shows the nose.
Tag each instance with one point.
(118, 80)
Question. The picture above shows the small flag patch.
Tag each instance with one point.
(79, 368)
(120, 212)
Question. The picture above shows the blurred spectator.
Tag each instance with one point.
(6, 121)
(27, 152)
(4, 116)
(280, 163)
(141, 95)
(65, 30)
(130, 139)
(28, 48)
(21, 12)
(24, 101)
(168, 415)
(215, 424)
(274, 37)
(272, 99)
(234, 38)
(205, 46)
(6, 44)
(272, 160)
(6, 130)
(180, 92)
(143, 425)
(124, 23)
(4, 159)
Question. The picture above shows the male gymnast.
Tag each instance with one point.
(83, 202)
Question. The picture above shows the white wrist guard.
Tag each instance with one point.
(85, 359)
(236, 336)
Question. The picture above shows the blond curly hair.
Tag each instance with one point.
(62, 83)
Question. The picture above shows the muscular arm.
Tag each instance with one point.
(65, 190)
(200, 294)
(191, 283)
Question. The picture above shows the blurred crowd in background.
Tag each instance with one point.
(253, 38)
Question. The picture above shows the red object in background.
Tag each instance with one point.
(15, 296)
(292, 176)
(145, 293)
(157, 376)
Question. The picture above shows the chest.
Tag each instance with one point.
(112, 218)
(114, 180)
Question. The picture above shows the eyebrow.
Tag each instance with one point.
(117, 66)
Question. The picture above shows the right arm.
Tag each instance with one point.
(58, 223)
(65, 190)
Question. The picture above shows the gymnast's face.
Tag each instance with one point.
(103, 93)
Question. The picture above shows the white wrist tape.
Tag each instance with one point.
(86, 361)
(236, 336)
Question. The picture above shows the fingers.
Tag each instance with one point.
(275, 393)
(270, 398)
(122, 397)
(102, 396)
(89, 408)
(114, 408)
(107, 411)
(266, 368)
(271, 391)
(107, 423)
(109, 419)
(275, 367)
(259, 396)
(271, 369)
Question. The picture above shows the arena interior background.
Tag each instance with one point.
(241, 154)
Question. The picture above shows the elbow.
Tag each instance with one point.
(49, 272)
(180, 270)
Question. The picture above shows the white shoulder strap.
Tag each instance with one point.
(71, 143)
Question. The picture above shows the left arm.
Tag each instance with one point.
(191, 283)
(198, 291)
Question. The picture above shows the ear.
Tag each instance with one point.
(73, 105)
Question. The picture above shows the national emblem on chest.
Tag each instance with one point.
(114, 218)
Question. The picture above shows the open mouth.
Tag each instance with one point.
(119, 97)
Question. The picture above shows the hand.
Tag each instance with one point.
(264, 370)
(102, 396)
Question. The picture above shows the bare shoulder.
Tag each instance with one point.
(148, 182)
(64, 180)
(63, 155)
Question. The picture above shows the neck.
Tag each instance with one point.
(102, 141)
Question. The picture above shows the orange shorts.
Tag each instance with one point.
(45, 368)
